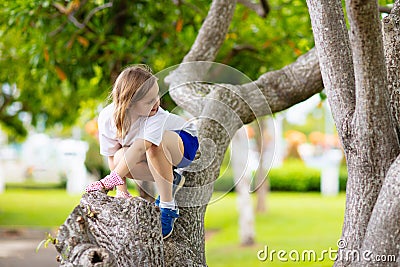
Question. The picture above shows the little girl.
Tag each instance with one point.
(142, 141)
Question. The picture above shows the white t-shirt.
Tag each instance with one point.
(147, 128)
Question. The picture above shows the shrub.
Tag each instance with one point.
(294, 175)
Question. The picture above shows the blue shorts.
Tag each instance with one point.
(190, 146)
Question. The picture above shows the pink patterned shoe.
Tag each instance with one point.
(107, 183)
(122, 194)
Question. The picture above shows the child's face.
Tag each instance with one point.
(148, 105)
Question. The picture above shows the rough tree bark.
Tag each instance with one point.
(234, 105)
(383, 232)
(354, 74)
(97, 233)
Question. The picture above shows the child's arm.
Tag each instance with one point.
(133, 155)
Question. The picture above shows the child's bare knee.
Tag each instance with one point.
(154, 151)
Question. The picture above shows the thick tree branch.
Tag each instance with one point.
(271, 92)
(391, 39)
(205, 48)
(292, 84)
(369, 67)
(265, 5)
(373, 126)
(368, 133)
(213, 31)
(383, 233)
(332, 43)
(107, 231)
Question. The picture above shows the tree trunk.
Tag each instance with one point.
(360, 108)
(241, 166)
(391, 30)
(383, 232)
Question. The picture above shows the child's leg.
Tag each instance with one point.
(126, 163)
(161, 159)
(140, 170)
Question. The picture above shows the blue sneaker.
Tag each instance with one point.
(177, 184)
(168, 217)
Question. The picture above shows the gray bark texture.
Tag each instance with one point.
(383, 232)
(108, 231)
(354, 73)
(362, 89)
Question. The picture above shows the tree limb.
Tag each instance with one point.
(205, 48)
(213, 31)
(335, 59)
(382, 237)
(391, 34)
(373, 127)
(107, 231)
(369, 66)
(59, 29)
(396, 8)
(292, 84)
(272, 92)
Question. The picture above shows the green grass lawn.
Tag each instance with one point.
(35, 208)
(295, 221)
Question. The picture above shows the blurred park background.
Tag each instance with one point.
(58, 61)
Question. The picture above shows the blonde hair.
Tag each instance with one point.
(131, 85)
